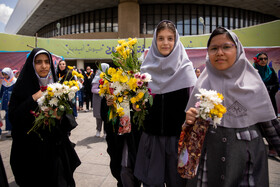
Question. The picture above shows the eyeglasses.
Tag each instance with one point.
(226, 48)
(262, 58)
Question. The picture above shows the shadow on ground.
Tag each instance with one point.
(90, 140)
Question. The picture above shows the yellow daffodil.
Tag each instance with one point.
(220, 96)
(133, 100)
(123, 79)
(75, 73)
(102, 75)
(70, 67)
(111, 71)
(120, 99)
(132, 83)
(140, 95)
(121, 41)
(50, 94)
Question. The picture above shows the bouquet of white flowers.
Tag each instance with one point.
(54, 102)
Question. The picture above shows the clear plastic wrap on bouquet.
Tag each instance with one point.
(190, 147)
(125, 124)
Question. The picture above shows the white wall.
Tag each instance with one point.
(23, 10)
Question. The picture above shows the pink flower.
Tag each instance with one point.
(139, 83)
(137, 76)
(197, 104)
(143, 77)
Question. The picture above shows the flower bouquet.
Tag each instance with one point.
(54, 102)
(126, 85)
(192, 137)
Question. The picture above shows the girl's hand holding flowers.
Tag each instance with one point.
(191, 115)
(53, 112)
(109, 101)
(37, 95)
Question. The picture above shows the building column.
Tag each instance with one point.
(129, 19)
(80, 64)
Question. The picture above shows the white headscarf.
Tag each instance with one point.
(169, 73)
(11, 80)
(104, 67)
(245, 95)
(43, 81)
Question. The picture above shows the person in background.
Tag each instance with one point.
(271, 82)
(87, 87)
(62, 72)
(80, 94)
(234, 153)
(5, 94)
(197, 72)
(51, 159)
(96, 99)
(172, 76)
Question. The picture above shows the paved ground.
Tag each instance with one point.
(94, 170)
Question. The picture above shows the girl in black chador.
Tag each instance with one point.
(62, 72)
(49, 161)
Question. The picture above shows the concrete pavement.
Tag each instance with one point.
(94, 170)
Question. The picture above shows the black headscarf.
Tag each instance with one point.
(63, 73)
(27, 83)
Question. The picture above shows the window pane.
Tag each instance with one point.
(150, 19)
(157, 19)
(187, 19)
(150, 29)
(81, 23)
(200, 29)
(172, 18)
(180, 29)
(187, 30)
(171, 9)
(164, 9)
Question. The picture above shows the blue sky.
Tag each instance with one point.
(6, 9)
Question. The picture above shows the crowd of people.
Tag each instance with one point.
(233, 154)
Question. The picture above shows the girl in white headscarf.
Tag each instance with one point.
(234, 153)
(172, 75)
(5, 94)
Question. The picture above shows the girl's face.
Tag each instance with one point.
(263, 60)
(165, 42)
(222, 52)
(62, 65)
(42, 65)
(5, 75)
